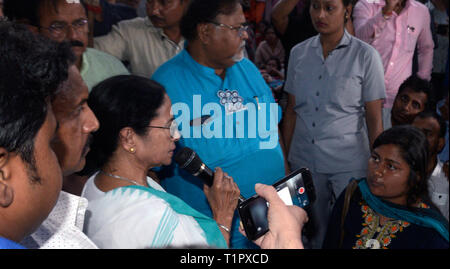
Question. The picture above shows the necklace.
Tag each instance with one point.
(122, 178)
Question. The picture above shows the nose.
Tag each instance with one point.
(407, 107)
(177, 136)
(154, 8)
(379, 170)
(71, 33)
(91, 124)
(320, 13)
(244, 35)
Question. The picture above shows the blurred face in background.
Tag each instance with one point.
(328, 16)
(407, 105)
(431, 129)
(65, 22)
(166, 13)
(226, 43)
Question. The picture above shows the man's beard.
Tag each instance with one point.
(240, 54)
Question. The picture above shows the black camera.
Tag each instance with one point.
(295, 189)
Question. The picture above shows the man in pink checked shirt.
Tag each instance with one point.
(394, 28)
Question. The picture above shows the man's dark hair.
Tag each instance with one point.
(418, 85)
(203, 11)
(413, 147)
(31, 70)
(24, 11)
(433, 114)
(27, 11)
(119, 102)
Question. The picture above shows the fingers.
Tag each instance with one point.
(269, 193)
(223, 186)
(224, 181)
(299, 213)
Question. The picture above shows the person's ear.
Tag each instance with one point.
(127, 138)
(348, 11)
(204, 32)
(6, 191)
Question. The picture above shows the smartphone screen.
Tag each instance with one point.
(296, 189)
(285, 195)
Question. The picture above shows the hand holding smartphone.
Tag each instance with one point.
(295, 189)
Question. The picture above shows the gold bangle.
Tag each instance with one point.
(224, 227)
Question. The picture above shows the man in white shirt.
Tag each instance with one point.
(63, 228)
(148, 42)
(76, 121)
(434, 126)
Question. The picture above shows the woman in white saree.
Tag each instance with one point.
(128, 209)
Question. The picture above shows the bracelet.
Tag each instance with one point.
(224, 227)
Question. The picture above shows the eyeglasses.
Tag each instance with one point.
(239, 29)
(173, 129)
(59, 30)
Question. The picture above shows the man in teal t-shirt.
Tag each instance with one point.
(225, 110)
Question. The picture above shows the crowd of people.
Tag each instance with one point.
(97, 96)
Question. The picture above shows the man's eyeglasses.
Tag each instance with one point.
(173, 129)
(239, 29)
(59, 30)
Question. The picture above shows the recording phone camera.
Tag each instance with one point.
(295, 189)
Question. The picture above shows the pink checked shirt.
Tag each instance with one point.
(395, 39)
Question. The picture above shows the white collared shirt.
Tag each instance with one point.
(145, 46)
(63, 228)
(438, 189)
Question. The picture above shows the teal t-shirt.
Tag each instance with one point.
(240, 135)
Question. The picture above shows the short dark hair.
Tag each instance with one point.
(433, 114)
(203, 11)
(418, 85)
(32, 68)
(27, 11)
(22, 10)
(413, 146)
(119, 102)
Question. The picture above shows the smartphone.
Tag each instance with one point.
(295, 189)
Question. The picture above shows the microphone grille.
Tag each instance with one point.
(187, 159)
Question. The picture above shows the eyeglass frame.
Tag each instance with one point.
(173, 125)
(240, 29)
(76, 28)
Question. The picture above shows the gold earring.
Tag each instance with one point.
(132, 150)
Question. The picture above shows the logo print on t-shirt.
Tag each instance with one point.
(231, 101)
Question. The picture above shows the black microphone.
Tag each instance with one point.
(188, 160)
